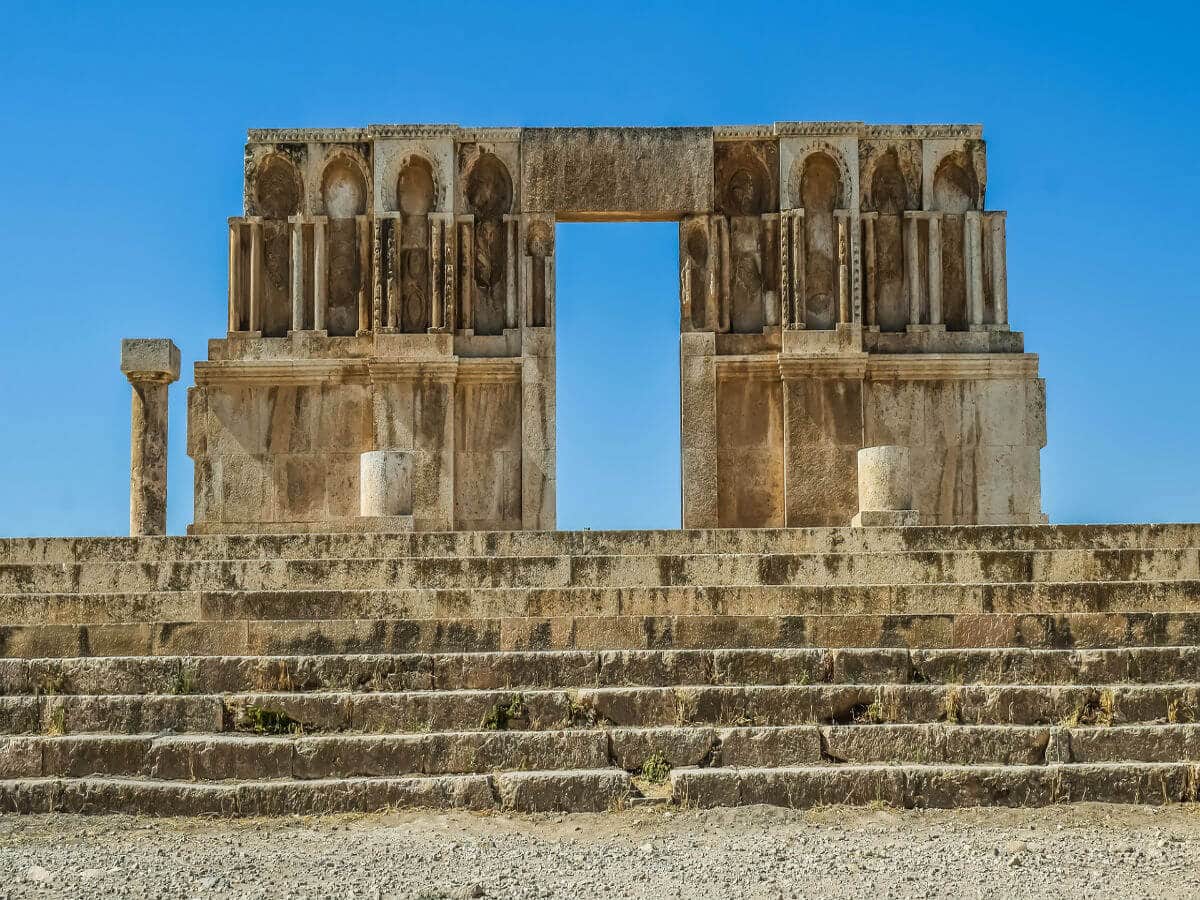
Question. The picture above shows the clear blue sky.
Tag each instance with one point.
(122, 129)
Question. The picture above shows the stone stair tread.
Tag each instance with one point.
(588, 790)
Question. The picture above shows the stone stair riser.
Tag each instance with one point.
(577, 791)
(288, 637)
(484, 603)
(603, 571)
(577, 668)
(938, 786)
(540, 710)
(225, 757)
(492, 544)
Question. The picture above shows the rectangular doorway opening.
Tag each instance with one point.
(617, 336)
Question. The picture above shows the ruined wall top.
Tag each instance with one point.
(605, 172)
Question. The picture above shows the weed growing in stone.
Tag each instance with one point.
(655, 769)
(261, 720)
(501, 714)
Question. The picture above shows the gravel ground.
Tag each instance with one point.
(1084, 850)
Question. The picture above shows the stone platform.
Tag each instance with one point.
(947, 666)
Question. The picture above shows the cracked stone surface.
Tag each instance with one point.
(1085, 850)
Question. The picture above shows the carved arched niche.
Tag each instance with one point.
(746, 188)
(489, 198)
(888, 198)
(344, 199)
(278, 194)
(821, 192)
(955, 192)
(416, 194)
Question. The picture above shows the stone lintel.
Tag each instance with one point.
(150, 359)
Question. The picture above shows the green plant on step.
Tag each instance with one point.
(185, 682)
(501, 714)
(262, 720)
(655, 769)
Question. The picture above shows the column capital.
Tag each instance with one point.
(150, 360)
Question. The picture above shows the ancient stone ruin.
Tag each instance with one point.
(372, 609)
(392, 289)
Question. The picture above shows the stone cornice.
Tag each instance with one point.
(413, 131)
(950, 366)
(763, 367)
(307, 135)
(280, 372)
(720, 132)
(445, 370)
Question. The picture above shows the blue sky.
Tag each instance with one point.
(121, 156)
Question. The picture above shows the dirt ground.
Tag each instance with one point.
(1085, 850)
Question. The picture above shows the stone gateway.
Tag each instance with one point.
(392, 288)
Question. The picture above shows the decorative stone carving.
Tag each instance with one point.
(489, 199)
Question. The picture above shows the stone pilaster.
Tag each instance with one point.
(150, 365)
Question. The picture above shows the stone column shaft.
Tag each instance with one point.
(935, 270)
(872, 301)
(999, 268)
(973, 267)
(364, 270)
(256, 276)
(151, 366)
(297, 273)
(320, 299)
(845, 302)
(235, 275)
(510, 271)
(912, 269)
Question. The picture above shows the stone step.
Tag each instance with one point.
(592, 790)
(581, 632)
(593, 668)
(213, 757)
(576, 543)
(608, 571)
(547, 710)
(904, 785)
(483, 603)
(938, 785)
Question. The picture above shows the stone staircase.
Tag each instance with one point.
(586, 670)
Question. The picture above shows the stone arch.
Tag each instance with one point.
(416, 187)
(278, 187)
(344, 182)
(489, 187)
(489, 197)
(887, 190)
(955, 187)
(830, 154)
(745, 186)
